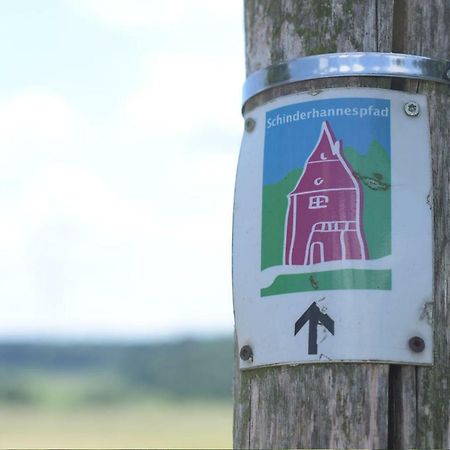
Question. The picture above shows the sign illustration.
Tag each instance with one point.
(323, 221)
(331, 222)
(326, 197)
(315, 317)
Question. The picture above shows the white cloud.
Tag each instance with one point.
(100, 262)
(184, 96)
(75, 245)
(77, 195)
(86, 253)
(35, 115)
(132, 15)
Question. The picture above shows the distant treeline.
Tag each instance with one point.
(184, 369)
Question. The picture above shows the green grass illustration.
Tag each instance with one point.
(330, 280)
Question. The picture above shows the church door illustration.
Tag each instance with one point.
(316, 253)
(324, 214)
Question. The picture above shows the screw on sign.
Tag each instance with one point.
(416, 344)
(412, 109)
(250, 125)
(246, 353)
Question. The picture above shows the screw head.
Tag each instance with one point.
(250, 124)
(416, 344)
(412, 109)
(246, 353)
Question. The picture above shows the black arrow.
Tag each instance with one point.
(315, 317)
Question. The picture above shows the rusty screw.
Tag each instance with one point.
(250, 124)
(246, 353)
(412, 109)
(416, 344)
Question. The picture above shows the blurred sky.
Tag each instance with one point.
(119, 134)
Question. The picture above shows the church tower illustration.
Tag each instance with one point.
(324, 214)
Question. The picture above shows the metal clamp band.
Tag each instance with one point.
(347, 65)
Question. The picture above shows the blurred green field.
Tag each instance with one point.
(145, 424)
(170, 395)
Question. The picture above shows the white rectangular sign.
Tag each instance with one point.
(332, 238)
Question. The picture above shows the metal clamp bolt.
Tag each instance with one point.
(250, 124)
(246, 353)
(412, 109)
(416, 344)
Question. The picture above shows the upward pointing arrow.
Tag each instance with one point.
(315, 317)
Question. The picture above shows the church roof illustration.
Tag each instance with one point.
(326, 167)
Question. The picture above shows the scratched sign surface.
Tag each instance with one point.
(332, 238)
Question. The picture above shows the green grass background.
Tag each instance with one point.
(122, 395)
(149, 423)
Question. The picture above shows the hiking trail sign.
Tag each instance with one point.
(332, 235)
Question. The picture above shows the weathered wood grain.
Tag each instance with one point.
(422, 28)
(313, 406)
(356, 405)
(284, 29)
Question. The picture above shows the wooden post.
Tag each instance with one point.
(356, 405)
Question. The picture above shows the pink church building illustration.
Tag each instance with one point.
(324, 214)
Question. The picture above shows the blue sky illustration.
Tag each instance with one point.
(288, 145)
